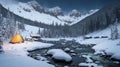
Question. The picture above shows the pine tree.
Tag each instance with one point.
(39, 31)
(114, 31)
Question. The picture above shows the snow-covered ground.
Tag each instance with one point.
(15, 55)
(59, 54)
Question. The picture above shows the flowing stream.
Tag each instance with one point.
(76, 51)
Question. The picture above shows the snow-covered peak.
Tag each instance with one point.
(93, 11)
(74, 10)
(75, 13)
(34, 3)
(55, 11)
(24, 6)
(75, 19)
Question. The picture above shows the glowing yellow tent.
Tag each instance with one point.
(17, 39)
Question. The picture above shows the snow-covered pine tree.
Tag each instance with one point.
(17, 28)
(4, 26)
(114, 30)
(39, 31)
(10, 25)
(1, 38)
(21, 25)
(0, 28)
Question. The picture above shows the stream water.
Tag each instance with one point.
(77, 50)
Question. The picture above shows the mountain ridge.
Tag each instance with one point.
(29, 10)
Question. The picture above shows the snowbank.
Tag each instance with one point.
(92, 41)
(56, 39)
(15, 55)
(10, 60)
(60, 55)
(24, 47)
(38, 45)
(109, 47)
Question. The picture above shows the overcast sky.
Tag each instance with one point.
(67, 5)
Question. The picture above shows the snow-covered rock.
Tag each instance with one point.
(66, 66)
(88, 65)
(73, 54)
(88, 58)
(72, 51)
(67, 49)
(1, 48)
(59, 55)
(41, 58)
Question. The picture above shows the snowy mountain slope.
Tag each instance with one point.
(28, 11)
(99, 33)
(74, 20)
